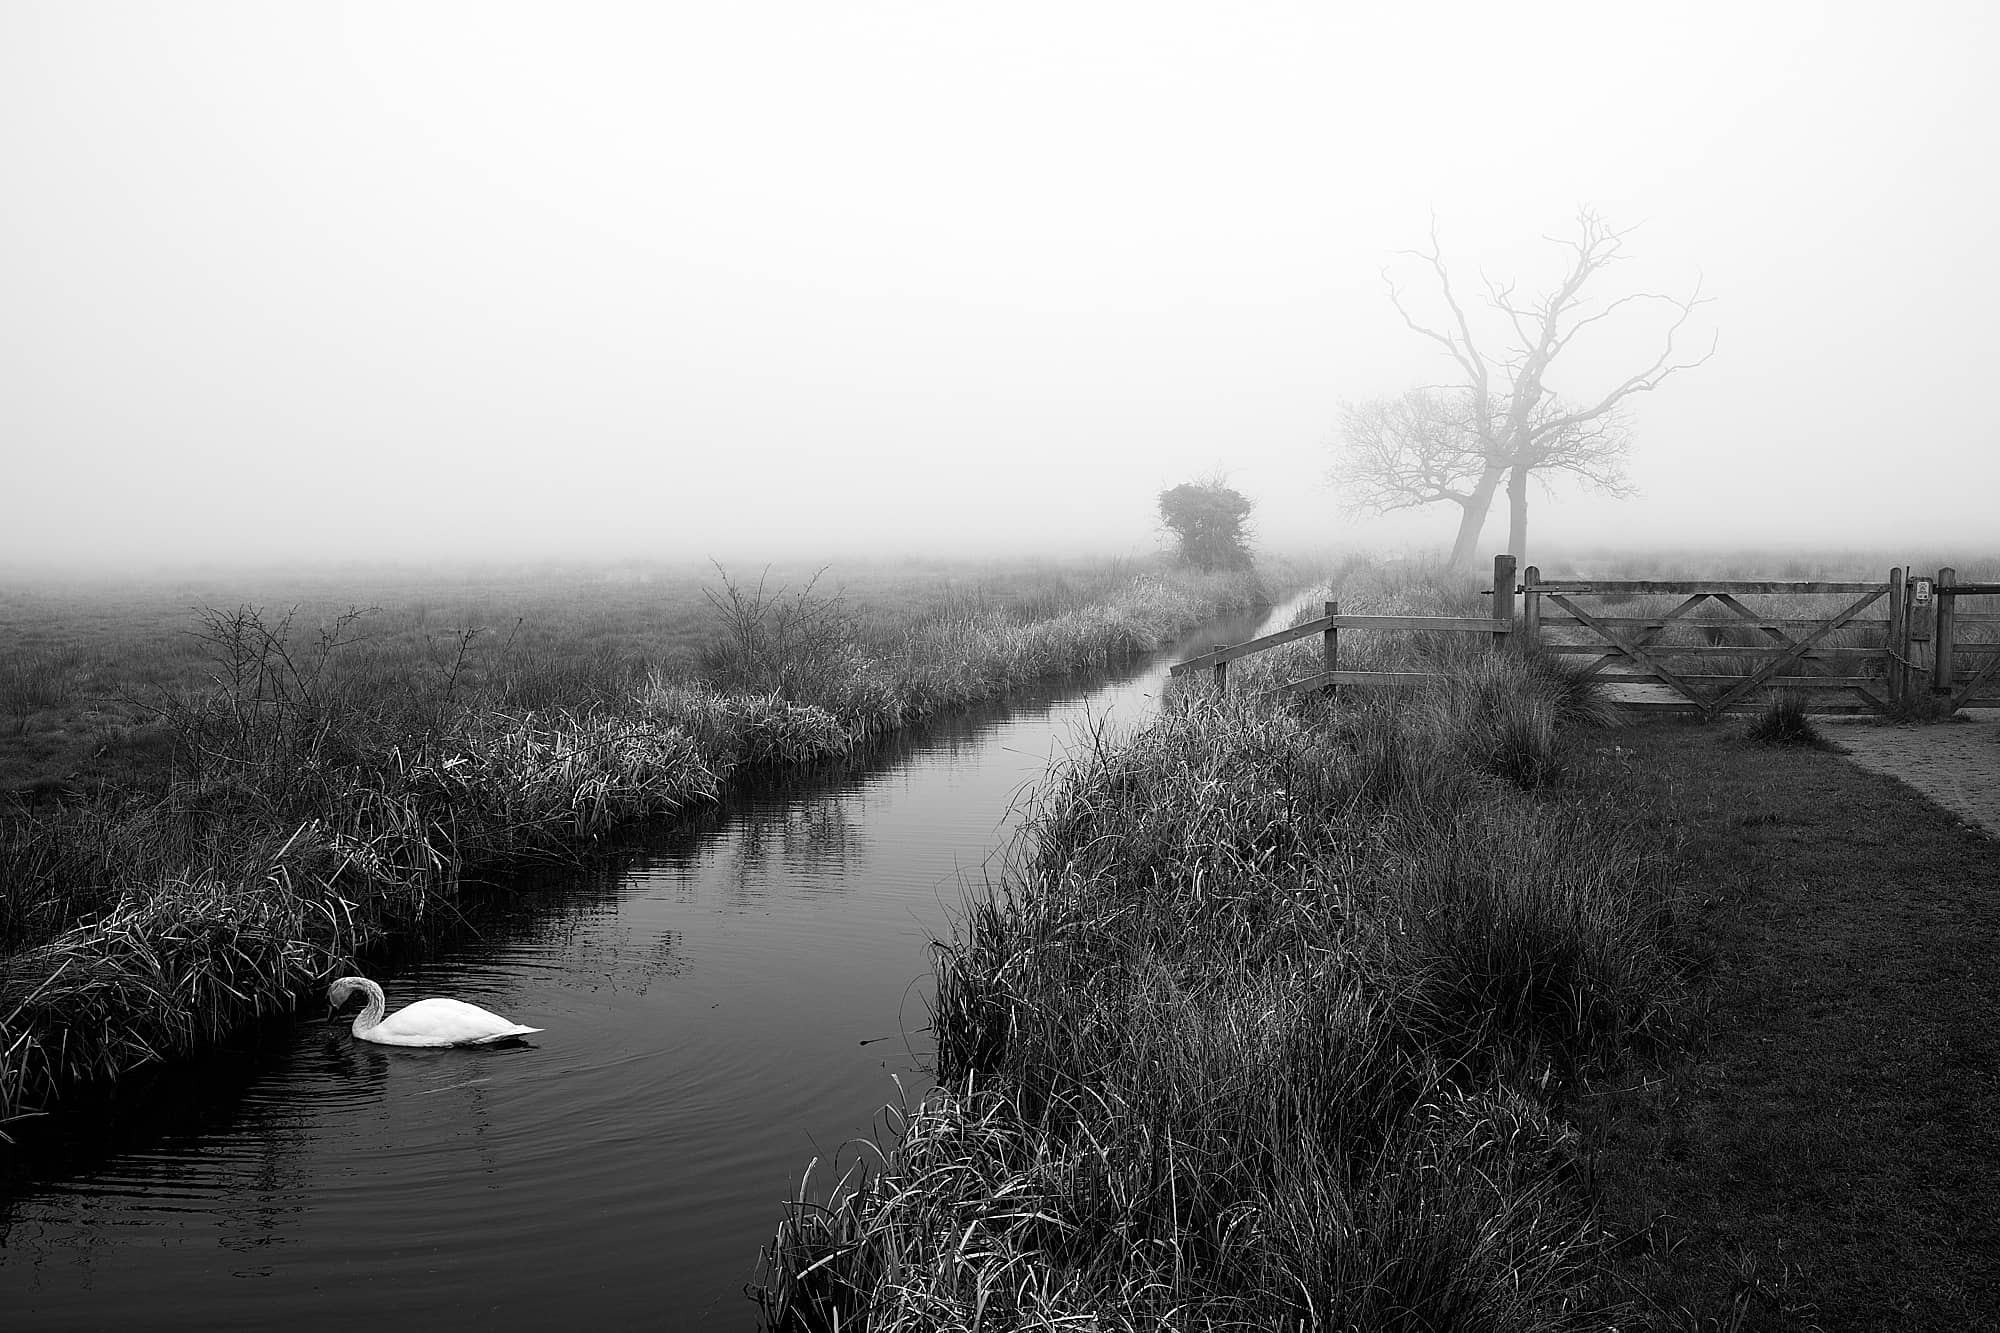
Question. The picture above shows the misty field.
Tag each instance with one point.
(88, 670)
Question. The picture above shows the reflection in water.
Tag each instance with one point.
(706, 999)
(814, 839)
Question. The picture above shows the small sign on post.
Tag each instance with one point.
(1923, 609)
(1922, 595)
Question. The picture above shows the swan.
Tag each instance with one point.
(425, 1023)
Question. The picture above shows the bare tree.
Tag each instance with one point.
(1427, 447)
(1419, 449)
(1499, 419)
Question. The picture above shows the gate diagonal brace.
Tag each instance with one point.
(1642, 639)
(1798, 649)
(1965, 691)
(1771, 632)
(1634, 651)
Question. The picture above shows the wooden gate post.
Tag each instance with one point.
(1330, 647)
(1221, 672)
(1503, 599)
(1947, 624)
(1896, 644)
(1531, 610)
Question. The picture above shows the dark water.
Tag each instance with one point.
(721, 1007)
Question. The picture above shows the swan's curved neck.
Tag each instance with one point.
(372, 1014)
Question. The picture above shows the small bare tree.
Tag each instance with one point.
(1499, 419)
(771, 641)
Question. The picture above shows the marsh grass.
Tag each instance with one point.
(34, 681)
(1273, 1022)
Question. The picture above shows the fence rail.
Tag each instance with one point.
(1499, 627)
(1697, 587)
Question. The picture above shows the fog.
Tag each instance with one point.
(413, 282)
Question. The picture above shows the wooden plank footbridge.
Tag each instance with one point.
(1879, 648)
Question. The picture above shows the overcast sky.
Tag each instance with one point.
(313, 280)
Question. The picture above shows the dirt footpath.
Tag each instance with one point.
(1956, 764)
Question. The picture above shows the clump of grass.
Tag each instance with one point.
(1579, 696)
(544, 784)
(735, 731)
(1521, 744)
(33, 681)
(165, 968)
(1494, 713)
(1785, 721)
(1551, 942)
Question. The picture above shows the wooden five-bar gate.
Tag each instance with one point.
(1879, 647)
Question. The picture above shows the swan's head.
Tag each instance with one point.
(341, 991)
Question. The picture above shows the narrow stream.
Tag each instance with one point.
(731, 1001)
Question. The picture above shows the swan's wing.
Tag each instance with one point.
(441, 1022)
(513, 1030)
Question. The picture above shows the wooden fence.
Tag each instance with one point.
(1709, 654)
(1499, 628)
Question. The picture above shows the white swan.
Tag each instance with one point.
(425, 1023)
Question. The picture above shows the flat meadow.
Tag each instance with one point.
(88, 666)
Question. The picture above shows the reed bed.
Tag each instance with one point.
(1275, 1020)
(323, 798)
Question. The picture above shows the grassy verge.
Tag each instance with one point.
(1280, 1020)
(1827, 1158)
(322, 794)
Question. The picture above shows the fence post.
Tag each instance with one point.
(1503, 599)
(1531, 610)
(1221, 672)
(1899, 651)
(1947, 624)
(1330, 646)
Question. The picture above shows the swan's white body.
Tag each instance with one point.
(425, 1023)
